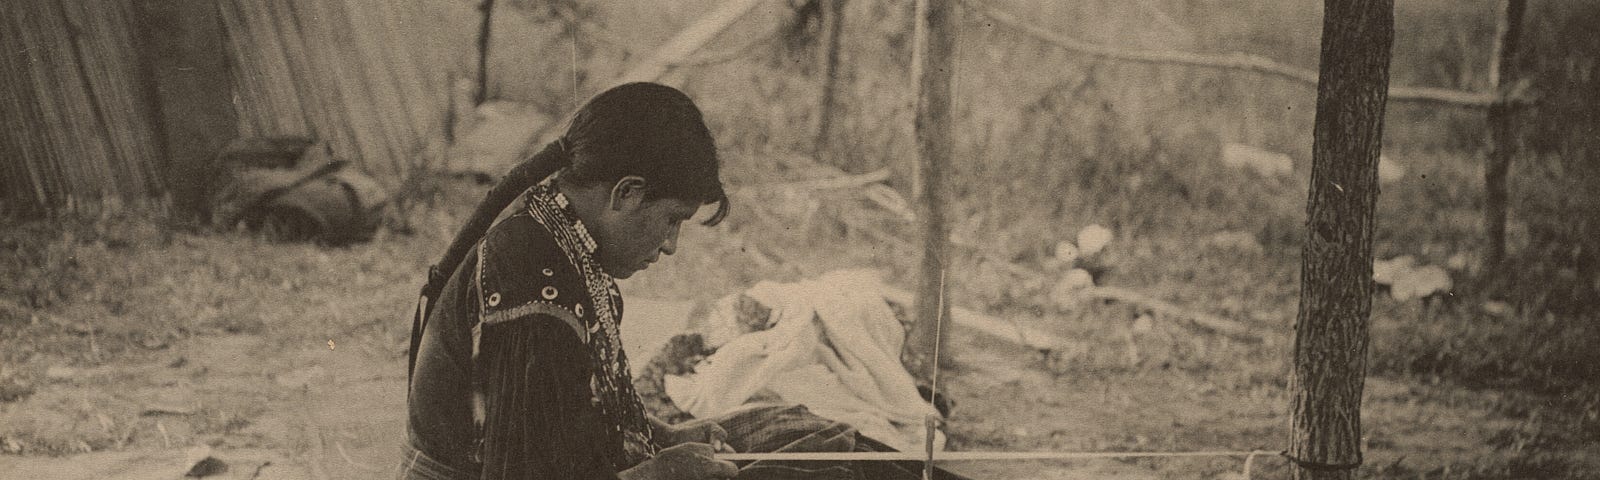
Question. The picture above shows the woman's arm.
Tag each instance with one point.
(538, 419)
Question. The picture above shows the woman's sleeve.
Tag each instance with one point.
(538, 419)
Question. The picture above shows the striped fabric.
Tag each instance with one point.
(792, 428)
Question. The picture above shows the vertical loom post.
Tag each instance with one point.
(485, 27)
(934, 47)
(1502, 135)
(833, 31)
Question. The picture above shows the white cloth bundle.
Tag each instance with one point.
(834, 347)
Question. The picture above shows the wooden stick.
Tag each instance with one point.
(1231, 61)
(1502, 132)
(933, 47)
(688, 41)
(678, 48)
(827, 105)
(831, 183)
(970, 456)
(1161, 307)
(1021, 335)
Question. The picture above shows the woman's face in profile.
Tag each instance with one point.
(640, 231)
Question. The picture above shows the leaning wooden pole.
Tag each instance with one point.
(1330, 349)
(485, 28)
(1502, 135)
(833, 33)
(934, 47)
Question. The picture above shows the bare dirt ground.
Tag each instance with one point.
(131, 350)
(307, 382)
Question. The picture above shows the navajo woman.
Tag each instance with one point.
(517, 369)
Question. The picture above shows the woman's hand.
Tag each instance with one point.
(687, 461)
(693, 431)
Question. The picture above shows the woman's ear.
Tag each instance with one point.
(627, 193)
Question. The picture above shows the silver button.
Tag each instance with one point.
(548, 272)
(494, 299)
(578, 309)
(549, 293)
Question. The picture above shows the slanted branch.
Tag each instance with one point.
(1237, 61)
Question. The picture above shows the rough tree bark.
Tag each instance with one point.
(481, 93)
(1502, 141)
(833, 30)
(1330, 347)
(185, 60)
(934, 47)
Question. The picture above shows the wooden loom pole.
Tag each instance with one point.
(485, 27)
(932, 52)
(833, 31)
(1502, 135)
(1330, 347)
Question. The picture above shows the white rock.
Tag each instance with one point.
(1420, 282)
(1386, 271)
(1093, 238)
(1389, 170)
(1066, 252)
(1431, 279)
(1264, 162)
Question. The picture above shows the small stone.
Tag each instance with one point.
(207, 467)
(1066, 252)
(1093, 238)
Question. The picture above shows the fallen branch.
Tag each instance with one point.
(686, 42)
(830, 183)
(1232, 61)
(1023, 335)
(1164, 308)
(676, 50)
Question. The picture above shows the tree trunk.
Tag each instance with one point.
(1502, 137)
(1336, 276)
(481, 94)
(184, 56)
(833, 30)
(934, 47)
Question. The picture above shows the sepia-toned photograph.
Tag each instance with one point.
(799, 239)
